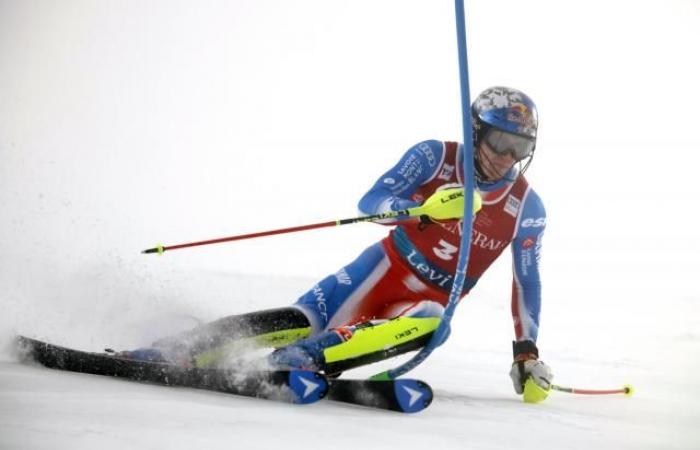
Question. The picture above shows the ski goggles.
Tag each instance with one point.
(503, 143)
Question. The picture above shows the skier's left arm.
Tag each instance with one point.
(527, 295)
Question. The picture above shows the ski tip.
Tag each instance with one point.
(26, 349)
(24, 344)
(307, 387)
(413, 395)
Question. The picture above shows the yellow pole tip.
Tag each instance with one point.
(629, 390)
(160, 249)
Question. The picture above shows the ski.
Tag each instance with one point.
(403, 394)
(290, 386)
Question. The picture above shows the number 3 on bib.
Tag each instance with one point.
(446, 250)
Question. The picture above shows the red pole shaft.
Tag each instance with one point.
(388, 215)
(624, 390)
(598, 391)
(244, 236)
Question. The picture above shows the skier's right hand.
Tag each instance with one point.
(540, 373)
(448, 204)
(400, 204)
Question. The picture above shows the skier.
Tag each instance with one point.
(391, 298)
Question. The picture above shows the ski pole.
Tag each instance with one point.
(533, 393)
(443, 205)
(627, 390)
(390, 215)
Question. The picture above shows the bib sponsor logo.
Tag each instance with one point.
(512, 206)
(446, 172)
(427, 271)
(481, 240)
(482, 219)
(452, 227)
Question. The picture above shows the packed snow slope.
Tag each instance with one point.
(124, 124)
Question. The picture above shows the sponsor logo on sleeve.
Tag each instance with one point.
(525, 261)
(411, 169)
(534, 223)
(428, 153)
(321, 306)
(343, 278)
(531, 253)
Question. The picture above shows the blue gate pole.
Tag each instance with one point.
(443, 329)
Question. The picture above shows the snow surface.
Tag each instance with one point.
(124, 124)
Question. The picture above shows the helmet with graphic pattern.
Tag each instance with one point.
(507, 119)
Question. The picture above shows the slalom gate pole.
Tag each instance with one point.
(443, 329)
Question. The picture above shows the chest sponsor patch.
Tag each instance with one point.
(446, 172)
(512, 206)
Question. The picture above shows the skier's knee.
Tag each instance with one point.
(426, 308)
(372, 342)
(316, 302)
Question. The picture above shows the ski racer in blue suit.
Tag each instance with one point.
(390, 299)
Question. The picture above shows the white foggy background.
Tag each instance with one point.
(124, 124)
